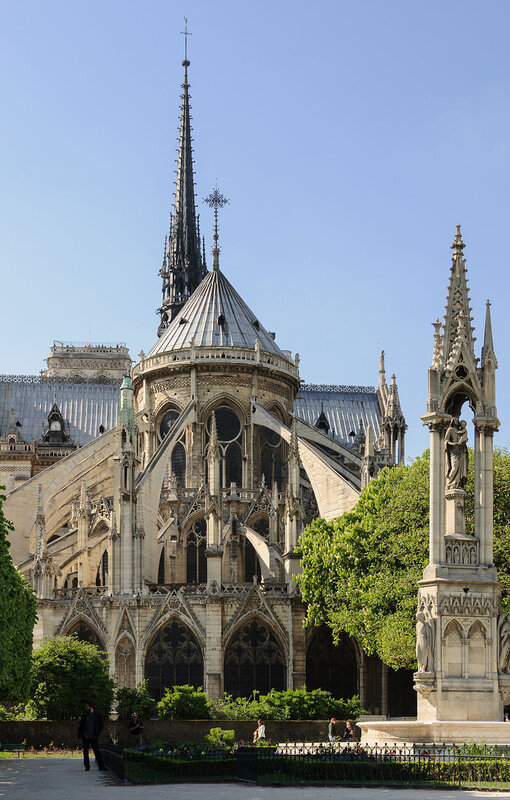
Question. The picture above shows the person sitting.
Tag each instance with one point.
(260, 733)
(136, 728)
(348, 733)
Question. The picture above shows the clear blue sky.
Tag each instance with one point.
(351, 137)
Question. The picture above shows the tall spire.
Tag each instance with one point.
(184, 269)
(458, 302)
(488, 346)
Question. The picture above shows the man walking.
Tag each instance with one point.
(91, 725)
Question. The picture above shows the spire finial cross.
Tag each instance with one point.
(216, 200)
(186, 33)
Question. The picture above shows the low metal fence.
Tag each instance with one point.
(113, 757)
(465, 766)
(474, 765)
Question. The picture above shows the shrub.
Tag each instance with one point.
(223, 740)
(184, 702)
(66, 673)
(137, 699)
(289, 704)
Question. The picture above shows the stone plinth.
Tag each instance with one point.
(392, 732)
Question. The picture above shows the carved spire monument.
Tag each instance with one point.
(459, 596)
(462, 640)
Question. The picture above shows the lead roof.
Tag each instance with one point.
(216, 316)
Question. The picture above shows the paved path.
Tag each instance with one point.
(65, 779)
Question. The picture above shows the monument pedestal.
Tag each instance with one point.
(401, 732)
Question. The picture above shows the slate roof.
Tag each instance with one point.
(84, 406)
(216, 316)
(343, 406)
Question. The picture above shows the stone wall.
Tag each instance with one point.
(63, 732)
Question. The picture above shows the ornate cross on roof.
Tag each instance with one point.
(216, 200)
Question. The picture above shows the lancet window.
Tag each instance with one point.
(271, 455)
(102, 570)
(196, 562)
(330, 666)
(230, 438)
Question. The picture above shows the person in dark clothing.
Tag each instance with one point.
(348, 733)
(136, 728)
(91, 725)
(332, 730)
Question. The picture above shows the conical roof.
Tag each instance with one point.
(216, 316)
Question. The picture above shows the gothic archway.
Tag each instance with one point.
(329, 666)
(173, 658)
(254, 659)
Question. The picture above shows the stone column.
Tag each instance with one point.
(213, 656)
(436, 495)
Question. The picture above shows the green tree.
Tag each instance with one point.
(67, 673)
(17, 619)
(360, 571)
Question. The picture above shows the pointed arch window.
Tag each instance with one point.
(174, 658)
(161, 566)
(271, 465)
(196, 562)
(102, 570)
(254, 660)
(251, 563)
(233, 465)
(330, 666)
(178, 463)
(167, 422)
(230, 439)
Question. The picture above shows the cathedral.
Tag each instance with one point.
(157, 507)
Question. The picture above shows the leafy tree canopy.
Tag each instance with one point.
(135, 699)
(17, 620)
(360, 571)
(66, 674)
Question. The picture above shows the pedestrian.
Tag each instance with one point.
(332, 730)
(260, 733)
(136, 728)
(348, 733)
(91, 725)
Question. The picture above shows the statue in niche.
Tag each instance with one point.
(456, 454)
(424, 644)
(504, 645)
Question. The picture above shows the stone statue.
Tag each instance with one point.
(424, 644)
(456, 454)
(504, 646)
